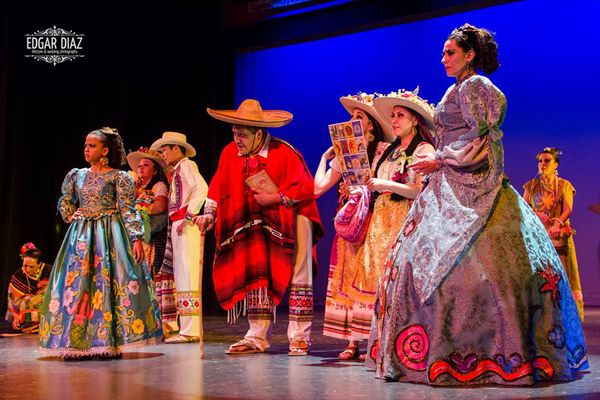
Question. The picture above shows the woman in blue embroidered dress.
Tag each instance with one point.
(473, 291)
(100, 297)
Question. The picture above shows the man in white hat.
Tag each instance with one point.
(187, 194)
(261, 203)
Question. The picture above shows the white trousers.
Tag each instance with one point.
(186, 268)
(300, 321)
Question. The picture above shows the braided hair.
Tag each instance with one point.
(483, 44)
(110, 138)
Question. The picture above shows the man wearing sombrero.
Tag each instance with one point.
(264, 233)
(187, 193)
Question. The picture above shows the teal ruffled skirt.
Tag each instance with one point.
(99, 300)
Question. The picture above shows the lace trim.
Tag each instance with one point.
(99, 351)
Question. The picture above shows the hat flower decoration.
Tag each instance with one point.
(408, 99)
(365, 102)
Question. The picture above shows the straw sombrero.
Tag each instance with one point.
(250, 113)
(385, 104)
(134, 157)
(364, 101)
(177, 139)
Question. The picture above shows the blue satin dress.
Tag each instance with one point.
(99, 300)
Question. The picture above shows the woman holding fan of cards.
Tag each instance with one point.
(345, 318)
(393, 188)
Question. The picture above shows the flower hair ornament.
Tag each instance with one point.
(109, 131)
(134, 157)
(26, 247)
(552, 150)
(413, 97)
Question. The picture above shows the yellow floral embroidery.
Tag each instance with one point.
(138, 326)
(71, 275)
(107, 316)
(97, 301)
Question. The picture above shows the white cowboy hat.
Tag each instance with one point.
(385, 105)
(250, 113)
(134, 157)
(177, 139)
(364, 101)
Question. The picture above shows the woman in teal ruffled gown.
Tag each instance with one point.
(100, 298)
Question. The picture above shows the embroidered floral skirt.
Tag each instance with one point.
(504, 313)
(99, 300)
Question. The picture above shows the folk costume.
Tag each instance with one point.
(155, 239)
(473, 291)
(548, 197)
(349, 317)
(187, 193)
(99, 300)
(25, 295)
(263, 250)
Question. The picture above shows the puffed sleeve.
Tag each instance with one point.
(483, 107)
(160, 189)
(126, 204)
(67, 203)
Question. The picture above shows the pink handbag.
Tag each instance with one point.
(352, 220)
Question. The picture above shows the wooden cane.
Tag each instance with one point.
(201, 249)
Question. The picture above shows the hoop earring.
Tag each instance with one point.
(103, 161)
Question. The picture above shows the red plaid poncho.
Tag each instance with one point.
(255, 244)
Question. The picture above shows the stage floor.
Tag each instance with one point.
(176, 372)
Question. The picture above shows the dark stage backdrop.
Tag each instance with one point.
(549, 56)
(151, 66)
(148, 67)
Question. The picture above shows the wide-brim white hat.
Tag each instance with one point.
(385, 105)
(134, 157)
(250, 113)
(364, 101)
(174, 138)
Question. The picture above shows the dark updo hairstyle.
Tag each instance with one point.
(29, 250)
(553, 151)
(110, 138)
(482, 42)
